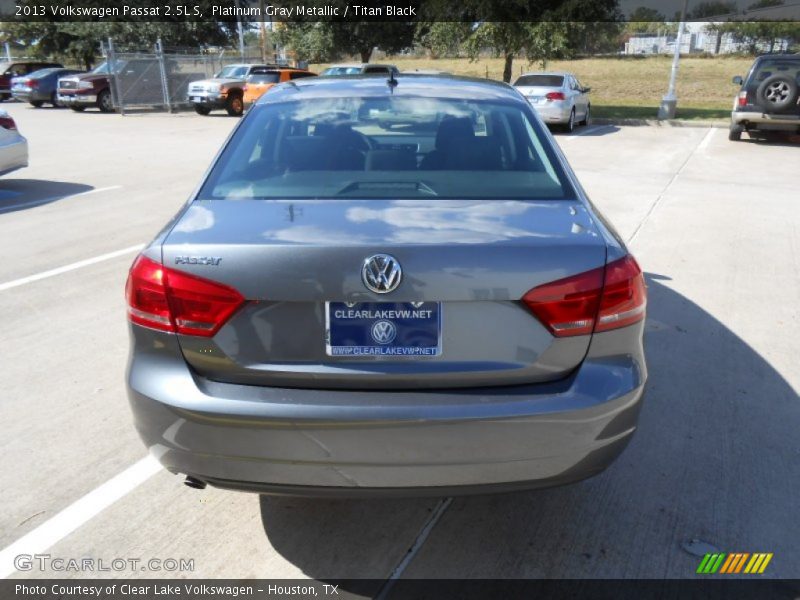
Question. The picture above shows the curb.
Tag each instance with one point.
(656, 123)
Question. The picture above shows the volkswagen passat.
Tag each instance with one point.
(353, 304)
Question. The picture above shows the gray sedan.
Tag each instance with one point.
(559, 98)
(349, 307)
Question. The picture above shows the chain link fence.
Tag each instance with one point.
(160, 80)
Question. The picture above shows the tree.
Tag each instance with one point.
(311, 42)
(644, 14)
(764, 4)
(442, 38)
(756, 34)
(362, 37)
(714, 8)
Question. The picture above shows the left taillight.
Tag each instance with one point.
(173, 301)
(742, 98)
(598, 300)
(7, 122)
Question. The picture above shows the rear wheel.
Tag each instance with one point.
(4, 97)
(202, 110)
(587, 119)
(36, 103)
(570, 125)
(235, 105)
(735, 132)
(104, 102)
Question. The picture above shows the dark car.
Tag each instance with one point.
(769, 98)
(9, 70)
(40, 87)
(139, 82)
(347, 308)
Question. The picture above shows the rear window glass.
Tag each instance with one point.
(401, 147)
(541, 80)
(342, 71)
(273, 77)
(768, 68)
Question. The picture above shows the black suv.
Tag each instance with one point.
(768, 99)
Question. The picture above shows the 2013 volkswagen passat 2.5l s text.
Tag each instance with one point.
(387, 287)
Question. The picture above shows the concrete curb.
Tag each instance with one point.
(656, 123)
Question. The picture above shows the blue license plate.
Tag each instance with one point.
(383, 328)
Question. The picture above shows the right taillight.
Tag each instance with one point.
(174, 301)
(598, 300)
(555, 96)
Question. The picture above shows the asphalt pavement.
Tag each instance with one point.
(715, 462)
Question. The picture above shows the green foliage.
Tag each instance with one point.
(644, 14)
(311, 42)
(714, 8)
(327, 41)
(765, 4)
(757, 34)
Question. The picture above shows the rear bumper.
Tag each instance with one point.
(353, 443)
(757, 120)
(30, 96)
(553, 112)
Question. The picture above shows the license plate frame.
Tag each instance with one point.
(352, 329)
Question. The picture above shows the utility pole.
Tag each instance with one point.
(669, 103)
(263, 29)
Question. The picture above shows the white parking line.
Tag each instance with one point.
(70, 267)
(7, 208)
(77, 513)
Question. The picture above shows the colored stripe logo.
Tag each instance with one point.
(733, 563)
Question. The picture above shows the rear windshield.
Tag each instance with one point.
(541, 80)
(387, 148)
(769, 67)
(273, 77)
(342, 71)
(232, 72)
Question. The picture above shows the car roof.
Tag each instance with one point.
(558, 73)
(407, 84)
(779, 56)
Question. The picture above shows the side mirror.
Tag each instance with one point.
(738, 80)
(586, 90)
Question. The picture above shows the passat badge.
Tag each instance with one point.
(381, 273)
(211, 261)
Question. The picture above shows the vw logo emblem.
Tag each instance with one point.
(383, 332)
(381, 273)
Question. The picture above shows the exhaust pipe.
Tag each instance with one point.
(194, 483)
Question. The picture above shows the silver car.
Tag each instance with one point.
(349, 308)
(559, 98)
(13, 146)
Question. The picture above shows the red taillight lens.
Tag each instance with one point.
(742, 98)
(7, 123)
(33, 83)
(568, 306)
(170, 300)
(584, 303)
(624, 295)
(560, 96)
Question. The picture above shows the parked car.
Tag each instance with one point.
(346, 309)
(223, 91)
(359, 69)
(139, 82)
(261, 79)
(768, 99)
(40, 86)
(18, 68)
(13, 147)
(559, 98)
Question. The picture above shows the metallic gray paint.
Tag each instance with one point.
(261, 407)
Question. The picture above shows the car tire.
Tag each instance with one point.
(36, 103)
(569, 126)
(78, 108)
(4, 97)
(202, 110)
(104, 102)
(735, 132)
(777, 93)
(587, 119)
(54, 100)
(235, 105)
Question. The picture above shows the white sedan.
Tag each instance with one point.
(559, 98)
(13, 147)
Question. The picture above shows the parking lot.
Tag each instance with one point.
(715, 463)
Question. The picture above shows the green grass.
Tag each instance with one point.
(601, 111)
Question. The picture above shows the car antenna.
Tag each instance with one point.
(391, 82)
